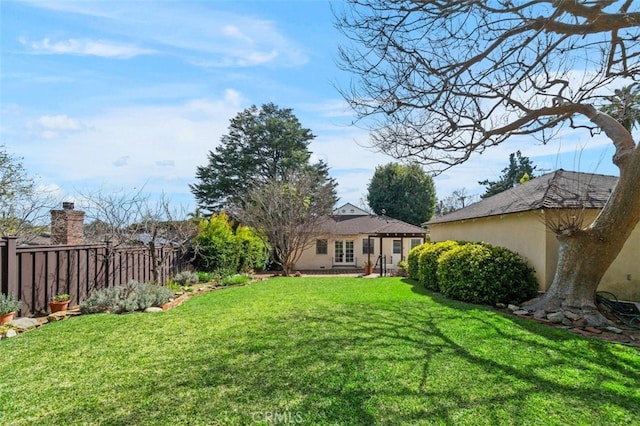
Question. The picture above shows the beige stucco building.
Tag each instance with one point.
(520, 219)
(351, 236)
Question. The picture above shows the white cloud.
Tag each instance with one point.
(59, 122)
(87, 47)
(158, 144)
(204, 34)
(233, 31)
(52, 126)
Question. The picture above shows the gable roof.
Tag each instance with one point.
(557, 190)
(370, 225)
(350, 210)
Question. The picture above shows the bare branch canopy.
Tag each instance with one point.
(438, 80)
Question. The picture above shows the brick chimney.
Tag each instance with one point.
(67, 225)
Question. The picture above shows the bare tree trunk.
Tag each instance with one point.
(155, 276)
(586, 254)
(582, 261)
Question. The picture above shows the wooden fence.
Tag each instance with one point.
(37, 273)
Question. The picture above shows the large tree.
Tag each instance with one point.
(404, 192)
(262, 145)
(440, 80)
(520, 168)
(288, 212)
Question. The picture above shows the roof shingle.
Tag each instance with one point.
(557, 190)
(370, 224)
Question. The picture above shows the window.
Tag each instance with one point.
(397, 246)
(416, 242)
(368, 246)
(321, 246)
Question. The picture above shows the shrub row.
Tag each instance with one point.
(473, 272)
(135, 296)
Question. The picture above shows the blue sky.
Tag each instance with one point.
(123, 95)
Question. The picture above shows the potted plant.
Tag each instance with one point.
(8, 307)
(60, 302)
(368, 267)
(403, 267)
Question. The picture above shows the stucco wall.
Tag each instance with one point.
(526, 234)
(623, 276)
(310, 261)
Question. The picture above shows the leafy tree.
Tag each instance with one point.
(262, 145)
(438, 81)
(520, 168)
(216, 247)
(624, 106)
(288, 213)
(405, 192)
(254, 252)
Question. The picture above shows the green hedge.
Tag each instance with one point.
(485, 274)
(413, 259)
(428, 263)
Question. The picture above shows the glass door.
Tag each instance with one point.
(344, 252)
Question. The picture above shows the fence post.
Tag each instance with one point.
(107, 263)
(10, 267)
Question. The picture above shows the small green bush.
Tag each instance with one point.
(186, 277)
(134, 296)
(235, 280)
(204, 277)
(428, 263)
(485, 274)
(403, 267)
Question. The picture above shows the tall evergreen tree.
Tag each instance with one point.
(262, 145)
(405, 192)
(520, 168)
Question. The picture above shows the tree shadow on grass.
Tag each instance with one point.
(420, 361)
(546, 331)
(403, 363)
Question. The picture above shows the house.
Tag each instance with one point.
(350, 236)
(521, 219)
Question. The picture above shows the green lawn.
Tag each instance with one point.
(315, 351)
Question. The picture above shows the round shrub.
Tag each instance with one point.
(412, 260)
(485, 274)
(428, 263)
(186, 277)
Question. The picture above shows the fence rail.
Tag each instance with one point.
(37, 273)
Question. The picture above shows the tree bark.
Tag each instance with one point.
(586, 254)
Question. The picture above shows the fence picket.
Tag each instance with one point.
(34, 274)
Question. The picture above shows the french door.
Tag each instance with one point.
(344, 254)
